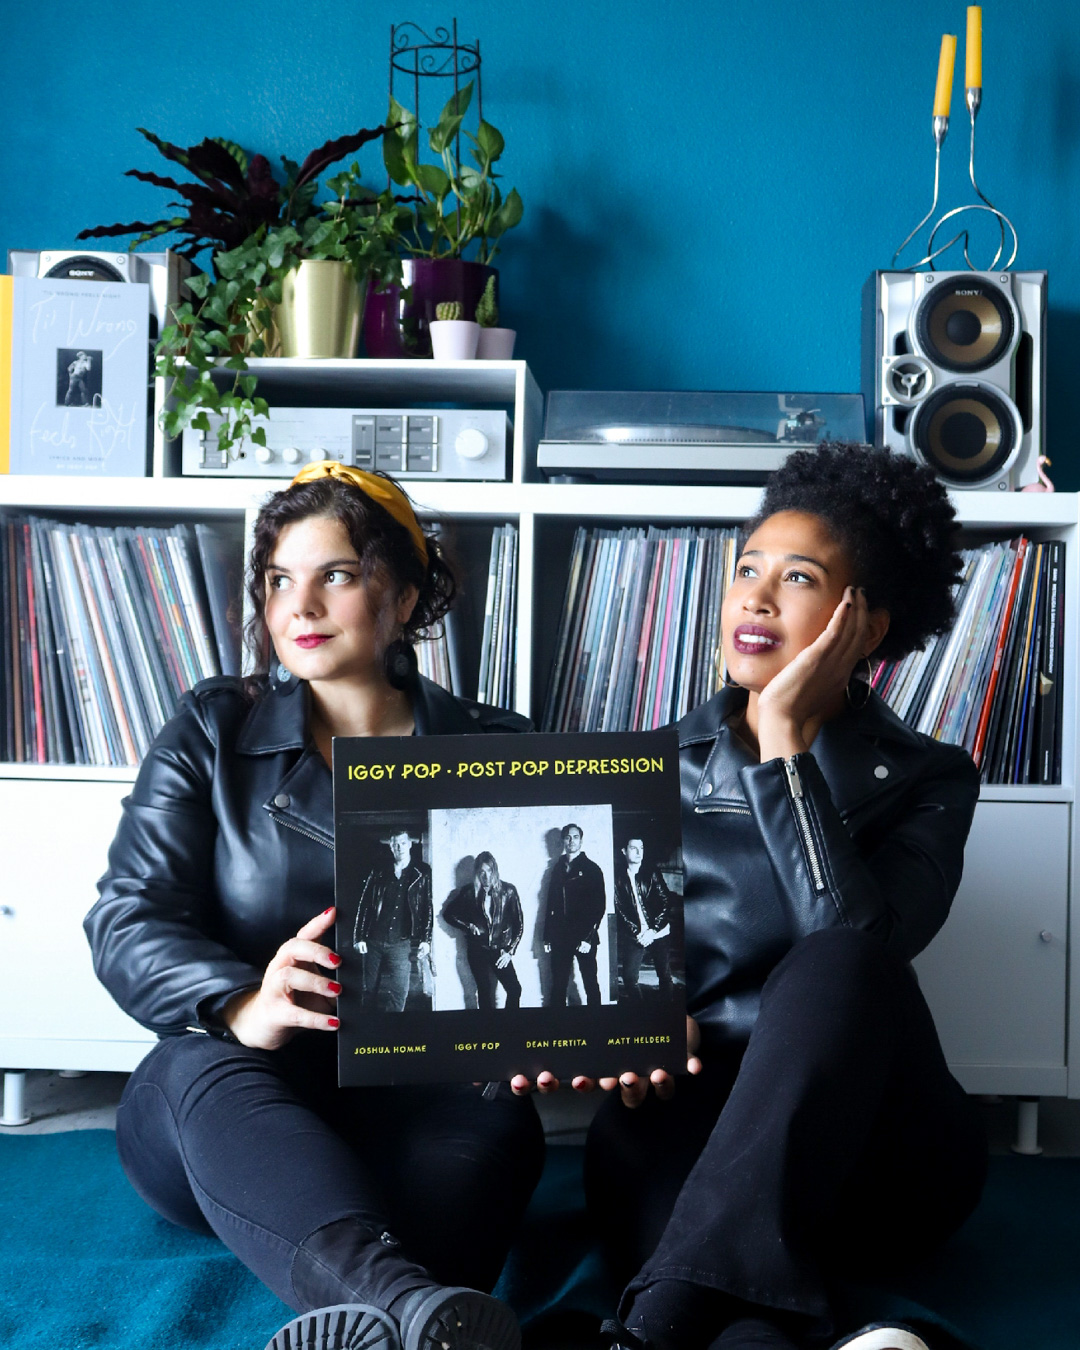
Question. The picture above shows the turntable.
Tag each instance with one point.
(682, 436)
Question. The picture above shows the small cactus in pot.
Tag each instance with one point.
(453, 338)
(495, 344)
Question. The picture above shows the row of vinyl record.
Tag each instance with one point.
(993, 682)
(441, 657)
(637, 645)
(102, 630)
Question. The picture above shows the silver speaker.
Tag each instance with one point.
(954, 369)
(165, 273)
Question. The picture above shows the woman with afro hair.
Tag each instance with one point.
(820, 1136)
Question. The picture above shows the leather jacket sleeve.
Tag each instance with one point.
(897, 882)
(513, 923)
(423, 914)
(152, 929)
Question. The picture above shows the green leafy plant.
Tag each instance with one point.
(258, 229)
(456, 204)
(449, 309)
(487, 309)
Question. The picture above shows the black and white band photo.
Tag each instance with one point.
(648, 911)
(524, 896)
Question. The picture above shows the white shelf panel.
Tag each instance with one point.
(1019, 510)
(420, 380)
(1025, 792)
(68, 773)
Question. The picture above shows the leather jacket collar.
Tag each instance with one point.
(864, 755)
(279, 718)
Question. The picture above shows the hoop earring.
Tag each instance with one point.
(718, 666)
(859, 686)
(399, 663)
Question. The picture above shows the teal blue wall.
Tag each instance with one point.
(706, 186)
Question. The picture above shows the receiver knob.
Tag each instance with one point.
(263, 454)
(471, 443)
(291, 455)
(318, 454)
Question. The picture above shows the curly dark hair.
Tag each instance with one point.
(896, 523)
(385, 548)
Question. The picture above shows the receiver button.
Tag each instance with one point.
(471, 443)
(317, 454)
(291, 455)
(263, 454)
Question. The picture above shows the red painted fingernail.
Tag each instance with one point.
(334, 959)
(333, 986)
(328, 911)
(334, 1023)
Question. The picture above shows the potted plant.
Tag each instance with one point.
(453, 338)
(493, 343)
(456, 208)
(260, 232)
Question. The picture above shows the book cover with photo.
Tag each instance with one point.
(78, 357)
(508, 904)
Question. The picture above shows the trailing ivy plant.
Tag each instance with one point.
(456, 204)
(258, 229)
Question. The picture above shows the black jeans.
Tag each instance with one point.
(562, 965)
(387, 967)
(488, 975)
(329, 1195)
(838, 1143)
(631, 958)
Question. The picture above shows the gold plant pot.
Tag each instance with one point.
(321, 307)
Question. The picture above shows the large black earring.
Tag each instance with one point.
(859, 686)
(399, 662)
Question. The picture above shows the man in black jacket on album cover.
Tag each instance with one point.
(643, 911)
(488, 911)
(576, 904)
(393, 913)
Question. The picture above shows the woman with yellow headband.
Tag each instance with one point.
(381, 1215)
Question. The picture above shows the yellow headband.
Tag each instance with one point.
(380, 490)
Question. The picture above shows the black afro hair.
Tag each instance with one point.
(896, 523)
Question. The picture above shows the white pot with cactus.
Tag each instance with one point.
(495, 344)
(452, 337)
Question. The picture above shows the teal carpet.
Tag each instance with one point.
(84, 1263)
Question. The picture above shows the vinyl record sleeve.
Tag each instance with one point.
(453, 853)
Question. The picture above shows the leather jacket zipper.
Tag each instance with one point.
(306, 833)
(795, 787)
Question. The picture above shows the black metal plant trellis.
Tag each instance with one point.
(420, 56)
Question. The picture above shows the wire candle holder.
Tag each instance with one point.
(973, 100)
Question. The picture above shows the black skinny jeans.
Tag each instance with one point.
(329, 1195)
(837, 1145)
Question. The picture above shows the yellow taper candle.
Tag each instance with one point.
(973, 53)
(946, 62)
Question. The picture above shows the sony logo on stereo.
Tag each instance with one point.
(954, 368)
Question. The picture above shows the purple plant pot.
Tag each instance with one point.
(396, 320)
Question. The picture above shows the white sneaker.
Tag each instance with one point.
(883, 1336)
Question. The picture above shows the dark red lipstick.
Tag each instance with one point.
(751, 639)
(310, 640)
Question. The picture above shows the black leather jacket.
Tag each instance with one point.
(225, 847)
(465, 911)
(417, 878)
(655, 900)
(576, 903)
(867, 829)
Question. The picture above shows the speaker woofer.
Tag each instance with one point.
(965, 324)
(87, 267)
(968, 434)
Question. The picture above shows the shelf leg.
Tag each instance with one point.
(14, 1109)
(1027, 1127)
(72, 1073)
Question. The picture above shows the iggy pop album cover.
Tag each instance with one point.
(508, 904)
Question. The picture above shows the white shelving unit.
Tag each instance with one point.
(997, 977)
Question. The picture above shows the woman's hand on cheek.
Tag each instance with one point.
(796, 700)
(294, 994)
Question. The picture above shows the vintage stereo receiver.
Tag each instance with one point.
(681, 436)
(448, 444)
